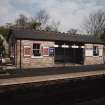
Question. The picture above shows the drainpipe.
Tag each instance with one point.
(104, 54)
(16, 55)
(20, 56)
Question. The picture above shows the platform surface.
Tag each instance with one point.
(35, 79)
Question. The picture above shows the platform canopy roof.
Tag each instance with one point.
(27, 34)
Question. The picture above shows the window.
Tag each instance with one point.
(95, 51)
(36, 50)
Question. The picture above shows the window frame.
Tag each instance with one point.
(40, 50)
(95, 51)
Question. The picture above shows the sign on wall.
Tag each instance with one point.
(51, 51)
(27, 51)
(45, 51)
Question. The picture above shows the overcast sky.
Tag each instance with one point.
(70, 13)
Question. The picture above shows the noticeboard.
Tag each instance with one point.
(45, 51)
(51, 51)
(27, 51)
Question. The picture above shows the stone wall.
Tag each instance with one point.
(89, 58)
(93, 60)
(32, 61)
(48, 61)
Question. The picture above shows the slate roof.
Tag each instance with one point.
(26, 34)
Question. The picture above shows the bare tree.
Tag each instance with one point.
(42, 17)
(102, 37)
(2, 49)
(22, 20)
(48, 28)
(54, 26)
(95, 23)
(72, 31)
(34, 24)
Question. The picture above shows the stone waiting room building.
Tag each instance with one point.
(35, 49)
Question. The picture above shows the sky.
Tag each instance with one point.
(70, 13)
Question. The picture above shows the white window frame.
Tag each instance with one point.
(97, 50)
(36, 49)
